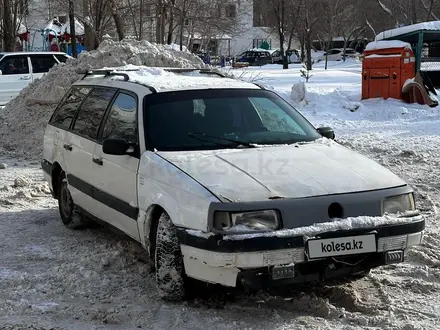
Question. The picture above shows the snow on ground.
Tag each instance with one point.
(55, 278)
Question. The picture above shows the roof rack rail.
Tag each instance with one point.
(202, 71)
(107, 73)
(259, 85)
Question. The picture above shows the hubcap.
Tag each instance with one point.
(65, 201)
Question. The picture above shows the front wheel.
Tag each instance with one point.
(169, 261)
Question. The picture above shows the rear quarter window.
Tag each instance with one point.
(67, 109)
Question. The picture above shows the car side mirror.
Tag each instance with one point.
(116, 147)
(326, 132)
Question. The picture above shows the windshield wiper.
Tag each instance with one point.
(238, 143)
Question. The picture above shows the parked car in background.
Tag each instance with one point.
(336, 54)
(292, 56)
(254, 57)
(18, 70)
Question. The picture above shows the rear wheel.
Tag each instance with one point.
(170, 276)
(69, 213)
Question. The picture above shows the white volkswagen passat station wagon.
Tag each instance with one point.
(222, 181)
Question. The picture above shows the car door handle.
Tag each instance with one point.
(97, 161)
(26, 78)
(68, 147)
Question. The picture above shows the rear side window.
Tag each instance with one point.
(122, 120)
(64, 114)
(61, 58)
(14, 65)
(42, 63)
(92, 111)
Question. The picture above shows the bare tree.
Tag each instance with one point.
(285, 14)
(8, 26)
(310, 17)
(349, 26)
(117, 18)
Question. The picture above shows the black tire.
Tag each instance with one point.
(69, 213)
(169, 267)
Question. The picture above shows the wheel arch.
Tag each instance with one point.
(55, 175)
(151, 221)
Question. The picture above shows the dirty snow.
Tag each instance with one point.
(407, 82)
(345, 224)
(55, 278)
(24, 119)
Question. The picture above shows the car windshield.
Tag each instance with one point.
(222, 118)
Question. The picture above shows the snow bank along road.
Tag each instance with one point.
(55, 278)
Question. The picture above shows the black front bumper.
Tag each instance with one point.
(218, 243)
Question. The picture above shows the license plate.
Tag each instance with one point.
(280, 272)
(341, 246)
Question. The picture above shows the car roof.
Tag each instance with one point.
(33, 53)
(161, 80)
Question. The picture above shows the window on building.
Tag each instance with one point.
(62, 19)
(231, 11)
(262, 14)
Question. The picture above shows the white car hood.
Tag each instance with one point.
(319, 168)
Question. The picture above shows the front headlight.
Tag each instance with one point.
(398, 204)
(255, 221)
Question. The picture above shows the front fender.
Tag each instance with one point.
(161, 184)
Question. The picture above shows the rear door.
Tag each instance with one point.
(59, 124)
(80, 143)
(116, 176)
(15, 76)
(41, 64)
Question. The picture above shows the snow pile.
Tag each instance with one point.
(163, 80)
(298, 93)
(23, 120)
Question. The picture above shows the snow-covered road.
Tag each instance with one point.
(52, 277)
(55, 278)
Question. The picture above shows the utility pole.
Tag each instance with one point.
(72, 28)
